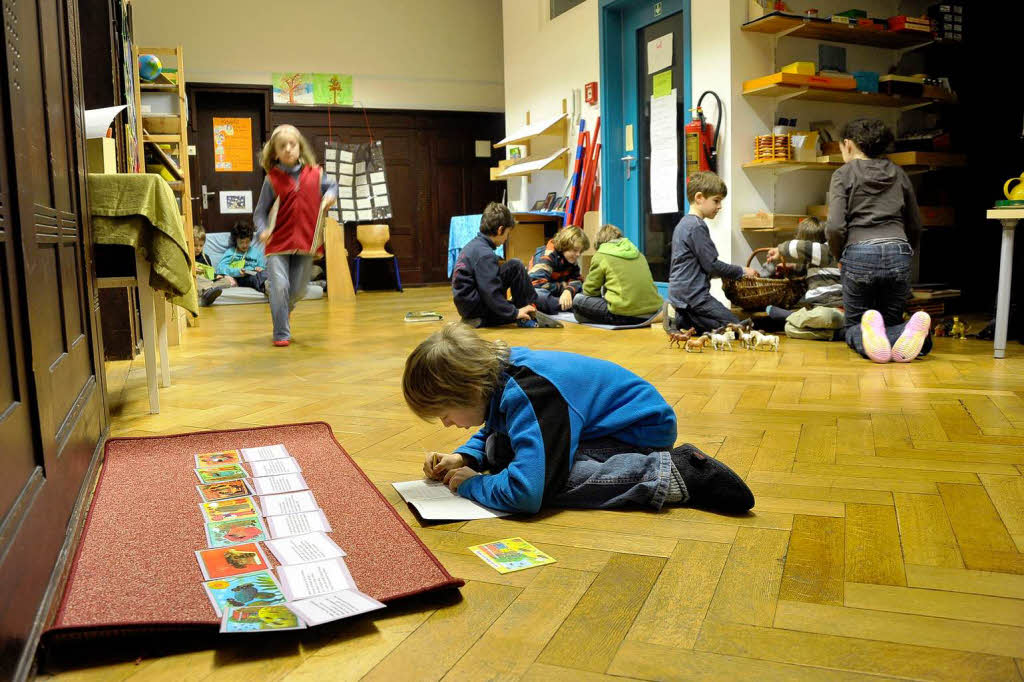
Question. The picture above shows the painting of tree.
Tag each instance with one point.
(293, 88)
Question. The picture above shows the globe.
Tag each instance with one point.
(149, 67)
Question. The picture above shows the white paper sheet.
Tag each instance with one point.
(288, 503)
(303, 581)
(264, 452)
(363, 191)
(377, 177)
(433, 500)
(347, 204)
(380, 190)
(348, 216)
(273, 467)
(360, 167)
(362, 180)
(664, 155)
(345, 180)
(345, 192)
(332, 153)
(272, 485)
(287, 525)
(364, 203)
(381, 200)
(98, 120)
(365, 215)
(320, 610)
(333, 213)
(659, 53)
(345, 156)
(303, 549)
(332, 167)
(345, 168)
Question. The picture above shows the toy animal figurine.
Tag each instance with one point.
(695, 344)
(753, 337)
(681, 336)
(721, 341)
(747, 339)
(958, 330)
(768, 341)
(739, 329)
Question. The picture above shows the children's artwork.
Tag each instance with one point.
(303, 581)
(236, 201)
(232, 145)
(513, 554)
(289, 503)
(332, 88)
(251, 589)
(235, 532)
(360, 167)
(319, 610)
(303, 549)
(264, 452)
(273, 467)
(297, 524)
(285, 483)
(292, 88)
(223, 490)
(235, 508)
(260, 619)
(210, 459)
(221, 472)
(224, 562)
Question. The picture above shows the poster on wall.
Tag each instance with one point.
(292, 88)
(232, 145)
(363, 193)
(332, 88)
(664, 154)
(236, 201)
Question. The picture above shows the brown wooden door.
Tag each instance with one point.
(235, 104)
(52, 414)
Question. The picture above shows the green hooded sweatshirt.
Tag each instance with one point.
(620, 268)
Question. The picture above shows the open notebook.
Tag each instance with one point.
(435, 502)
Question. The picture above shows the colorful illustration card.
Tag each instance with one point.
(285, 483)
(289, 503)
(211, 459)
(260, 619)
(512, 554)
(316, 579)
(251, 589)
(234, 508)
(274, 467)
(223, 490)
(319, 610)
(264, 452)
(302, 549)
(235, 532)
(224, 562)
(221, 472)
(297, 524)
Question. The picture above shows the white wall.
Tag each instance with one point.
(441, 54)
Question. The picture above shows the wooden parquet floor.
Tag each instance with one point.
(886, 542)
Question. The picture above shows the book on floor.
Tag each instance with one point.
(435, 502)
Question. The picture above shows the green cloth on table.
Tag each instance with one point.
(139, 210)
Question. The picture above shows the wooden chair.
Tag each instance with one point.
(372, 239)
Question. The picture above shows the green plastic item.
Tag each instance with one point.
(1009, 203)
(854, 14)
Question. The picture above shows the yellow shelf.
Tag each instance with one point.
(842, 96)
(527, 166)
(161, 138)
(554, 127)
(797, 26)
(784, 166)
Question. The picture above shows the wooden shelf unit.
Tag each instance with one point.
(544, 139)
(877, 99)
(911, 161)
(797, 26)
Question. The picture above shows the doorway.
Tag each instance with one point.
(645, 55)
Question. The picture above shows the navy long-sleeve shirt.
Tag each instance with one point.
(694, 263)
(476, 286)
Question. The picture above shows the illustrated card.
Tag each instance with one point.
(234, 508)
(319, 610)
(221, 472)
(288, 503)
(301, 549)
(210, 459)
(512, 554)
(264, 452)
(251, 589)
(284, 483)
(297, 524)
(235, 532)
(260, 619)
(224, 562)
(223, 490)
(275, 467)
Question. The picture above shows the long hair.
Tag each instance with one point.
(268, 157)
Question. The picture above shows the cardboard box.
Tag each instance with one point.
(101, 155)
(805, 68)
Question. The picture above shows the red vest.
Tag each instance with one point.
(297, 212)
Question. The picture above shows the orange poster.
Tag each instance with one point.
(232, 145)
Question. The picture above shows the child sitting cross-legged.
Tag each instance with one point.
(557, 428)
(555, 270)
(243, 263)
(619, 288)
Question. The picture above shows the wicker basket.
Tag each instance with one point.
(755, 294)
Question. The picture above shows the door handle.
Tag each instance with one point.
(628, 159)
(205, 194)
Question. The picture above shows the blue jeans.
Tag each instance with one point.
(287, 279)
(607, 474)
(877, 277)
(548, 302)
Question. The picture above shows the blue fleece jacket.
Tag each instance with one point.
(547, 403)
(234, 261)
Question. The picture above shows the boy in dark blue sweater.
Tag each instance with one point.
(479, 283)
(557, 428)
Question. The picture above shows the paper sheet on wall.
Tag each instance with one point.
(381, 200)
(363, 203)
(664, 155)
(348, 216)
(98, 120)
(659, 53)
(345, 192)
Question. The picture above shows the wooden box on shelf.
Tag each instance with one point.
(770, 222)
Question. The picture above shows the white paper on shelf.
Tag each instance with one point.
(529, 166)
(659, 53)
(303, 581)
(98, 120)
(288, 503)
(664, 155)
(287, 525)
(433, 500)
(532, 129)
(329, 607)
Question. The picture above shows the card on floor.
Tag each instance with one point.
(320, 610)
(224, 562)
(274, 467)
(210, 459)
(284, 483)
(235, 508)
(303, 581)
(288, 503)
(512, 554)
(251, 589)
(221, 472)
(297, 524)
(261, 619)
(264, 452)
(302, 549)
(235, 531)
(224, 490)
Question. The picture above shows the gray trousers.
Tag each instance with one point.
(287, 279)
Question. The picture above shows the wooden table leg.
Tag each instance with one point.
(1003, 296)
(161, 306)
(147, 306)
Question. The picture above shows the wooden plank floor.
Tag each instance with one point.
(886, 542)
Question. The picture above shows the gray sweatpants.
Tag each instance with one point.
(287, 279)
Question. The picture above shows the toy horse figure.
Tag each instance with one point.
(747, 339)
(682, 336)
(768, 340)
(721, 341)
(696, 344)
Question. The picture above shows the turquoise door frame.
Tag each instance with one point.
(618, 25)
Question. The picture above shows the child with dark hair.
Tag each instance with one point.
(479, 283)
(244, 261)
(874, 225)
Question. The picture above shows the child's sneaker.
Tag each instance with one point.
(281, 343)
(526, 323)
(876, 343)
(908, 346)
(545, 320)
(710, 483)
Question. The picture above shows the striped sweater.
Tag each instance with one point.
(550, 271)
(823, 284)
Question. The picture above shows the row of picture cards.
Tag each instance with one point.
(256, 500)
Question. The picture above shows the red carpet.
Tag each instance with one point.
(135, 566)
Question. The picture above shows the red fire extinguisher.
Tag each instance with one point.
(702, 139)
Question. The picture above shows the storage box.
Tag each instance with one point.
(805, 68)
(101, 155)
(909, 24)
(867, 81)
(910, 86)
(800, 80)
(805, 145)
